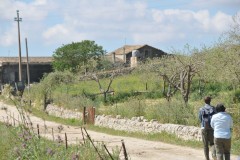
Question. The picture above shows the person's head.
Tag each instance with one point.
(220, 108)
(207, 100)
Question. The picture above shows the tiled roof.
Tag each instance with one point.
(32, 60)
(126, 49)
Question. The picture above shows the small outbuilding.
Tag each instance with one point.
(9, 68)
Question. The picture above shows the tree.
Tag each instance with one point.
(234, 33)
(76, 55)
(177, 71)
(231, 48)
(50, 82)
(107, 89)
(222, 61)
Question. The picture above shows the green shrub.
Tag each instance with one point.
(165, 112)
(236, 96)
(154, 95)
(172, 112)
(120, 97)
(72, 102)
(129, 109)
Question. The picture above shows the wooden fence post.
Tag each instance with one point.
(108, 152)
(66, 141)
(38, 131)
(93, 144)
(124, 150)
(84, 115)
(83, 136)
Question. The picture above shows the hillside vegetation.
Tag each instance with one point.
(170, 89)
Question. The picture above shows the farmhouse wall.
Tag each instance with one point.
(135, 124)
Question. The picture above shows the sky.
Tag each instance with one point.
(163, 24)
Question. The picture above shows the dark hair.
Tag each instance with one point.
(207, 100)
(220, 108)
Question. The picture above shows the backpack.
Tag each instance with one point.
(206, 117)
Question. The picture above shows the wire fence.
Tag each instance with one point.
(64, 134)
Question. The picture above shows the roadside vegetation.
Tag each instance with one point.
(21, 143)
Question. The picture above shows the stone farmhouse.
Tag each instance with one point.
(131, 54)
(9, 68)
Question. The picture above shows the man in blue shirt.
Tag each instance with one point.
(205, 114)
(222, 124)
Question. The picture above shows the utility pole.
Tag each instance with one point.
(28, 73)
(19, 45)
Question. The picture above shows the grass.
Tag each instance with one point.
(20, 143)
(6, 142)
(120, 84)
(45, 116)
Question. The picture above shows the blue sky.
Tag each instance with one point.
(163, 24)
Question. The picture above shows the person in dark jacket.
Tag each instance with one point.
(205, 114)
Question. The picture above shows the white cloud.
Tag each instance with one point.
(61, 34)
(9, 37)
(221, 21)
(203, 17)
(54, 22)
(55, 31)
(190, 21)
(84, 19)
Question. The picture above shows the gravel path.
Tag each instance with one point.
(137, 149)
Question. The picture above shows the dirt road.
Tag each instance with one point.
(137, 149)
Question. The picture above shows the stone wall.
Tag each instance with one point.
(139, 124)
(63, 113)
(135, 124)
